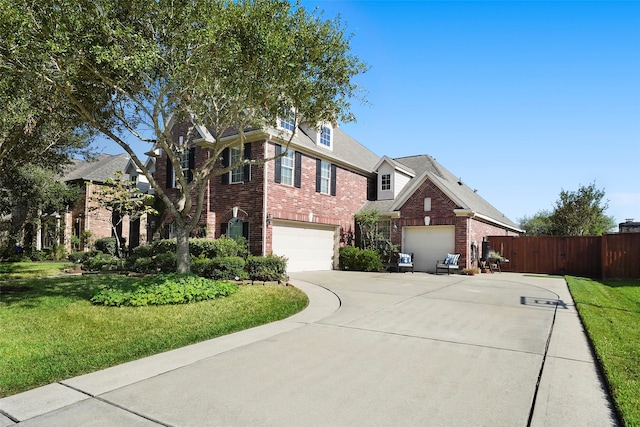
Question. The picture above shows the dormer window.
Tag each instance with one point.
(324, 137)
(386, 182)
(288, 123)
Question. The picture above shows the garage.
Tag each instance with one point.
(428, 244)
(309, 247)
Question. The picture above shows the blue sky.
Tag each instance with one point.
(519, 99)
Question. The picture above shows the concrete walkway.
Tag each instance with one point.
(371, 349)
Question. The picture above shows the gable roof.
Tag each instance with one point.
(97, 170)
(464, 196)
(345, 150)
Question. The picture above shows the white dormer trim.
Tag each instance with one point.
(394, 165)
(317, 134)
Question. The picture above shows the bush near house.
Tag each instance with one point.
(219, 259)
(356, 259)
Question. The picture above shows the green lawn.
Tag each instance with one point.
(25, 270)
(610, 311)
(51, 331)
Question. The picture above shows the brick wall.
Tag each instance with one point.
(291, 203)
(467, 230)
(186, 131)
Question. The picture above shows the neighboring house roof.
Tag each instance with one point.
(464, 196)
(97, 170)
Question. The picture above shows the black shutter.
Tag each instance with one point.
(297, 176)
(225, 163)
(278, 166)
(245, 230)
(333, 179)
(223, 228)
(318, 175)
(169, 173)
(192, 163)
(247, 168)
(372, 189)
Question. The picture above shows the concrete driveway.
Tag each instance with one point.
(371, 350)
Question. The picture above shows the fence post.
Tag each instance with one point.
(603, 256)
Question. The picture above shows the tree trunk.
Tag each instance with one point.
(182, 249)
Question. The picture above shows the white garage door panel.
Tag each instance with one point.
(308, 247)
(428, 244)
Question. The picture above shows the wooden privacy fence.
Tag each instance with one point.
(611, 256)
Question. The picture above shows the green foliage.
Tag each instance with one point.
(76, 257)
(165, 289)
(141, 62)
(99, 262)
(367, 221)
(107, 245)
(576, 213)
(88, 338)
(166, 262)
(220, 268)
(355, 259)
(537, 225)
(581, 213)
(269, 268)
(121, 198)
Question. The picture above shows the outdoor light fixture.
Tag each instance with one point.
(268, 221)
(395, 226)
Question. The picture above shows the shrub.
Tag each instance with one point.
(38, 256)
(76, 257)
(202, 248)
(166, 262)
(163, 246)
(165, 289)
(144, 265)
(269, 268)
(348, 258)
(142, 251)
(221, 268)
(352, 258)
(106, 245)
(99, 262)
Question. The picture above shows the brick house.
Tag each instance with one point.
(89, 176)
(302, 204)
(430, 212)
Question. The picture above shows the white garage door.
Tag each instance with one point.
(428, 244)
(309, 247)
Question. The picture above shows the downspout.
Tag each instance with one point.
(264, 199)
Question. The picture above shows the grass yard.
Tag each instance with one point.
(610, 311)
(50, 331)
(25, 270)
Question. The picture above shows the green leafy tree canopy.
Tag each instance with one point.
(132, 68)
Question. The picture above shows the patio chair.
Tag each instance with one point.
(449, 263)
(405, 261)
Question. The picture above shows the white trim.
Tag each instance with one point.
(394, 165)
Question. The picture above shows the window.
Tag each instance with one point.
(325, 136)
(288, 122)
(187, 163)
(235, 230)
(383, 233)
(325, 177)
(326, 174)
(427, 204)
(237, 173)
(386, 182)
(286, 168)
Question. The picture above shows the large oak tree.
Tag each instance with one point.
(130, 67)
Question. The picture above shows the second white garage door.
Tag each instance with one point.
(428, 244)
(309, 247)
